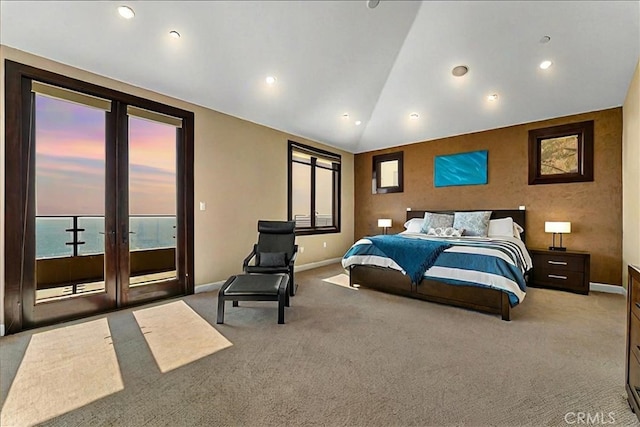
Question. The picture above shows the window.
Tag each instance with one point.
(387, 173)
(561, 154)
(314, 189)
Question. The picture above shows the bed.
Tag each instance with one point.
(496, 298)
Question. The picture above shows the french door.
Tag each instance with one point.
(101, 185)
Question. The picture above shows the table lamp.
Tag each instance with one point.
(557, 228)
(384, 223)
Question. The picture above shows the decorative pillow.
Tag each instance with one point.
(445, 232)
(473, 223)
(436, 220)
(414, 225)
(273, 259)
(502, 227)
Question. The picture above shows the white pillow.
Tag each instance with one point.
(502, 227)
(414, 225)
(517, 230)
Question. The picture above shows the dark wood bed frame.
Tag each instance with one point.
(476, 298)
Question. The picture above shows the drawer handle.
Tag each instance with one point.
(557, 262)
(554, 276)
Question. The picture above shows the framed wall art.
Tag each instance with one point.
(461, 169)
(561, 154)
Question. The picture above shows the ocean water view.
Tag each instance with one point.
(146, 232)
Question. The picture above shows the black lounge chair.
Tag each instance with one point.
(275, 251)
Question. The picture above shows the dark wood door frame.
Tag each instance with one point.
(20, 206)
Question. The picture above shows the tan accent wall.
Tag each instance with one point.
(631, 175)
(240, 172)
(593, 208)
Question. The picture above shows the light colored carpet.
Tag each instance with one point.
(366, 358)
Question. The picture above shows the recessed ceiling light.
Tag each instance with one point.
(270, 80)
(358, 122)
(126, 12)
(414, 116)
(492, 97)
(345, 116)
(460, 70)
(545, 39)
(545, 64)
(372, 4)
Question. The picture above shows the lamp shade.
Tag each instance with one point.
(557, 227)
(384, 222)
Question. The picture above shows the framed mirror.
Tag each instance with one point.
(387, 173)
(561, 154)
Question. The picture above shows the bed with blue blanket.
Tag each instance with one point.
(484, 274)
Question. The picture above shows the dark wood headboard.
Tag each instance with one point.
(517, 215)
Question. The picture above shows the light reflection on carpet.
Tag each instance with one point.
(177, 335)
(63, 369)
(340, 280)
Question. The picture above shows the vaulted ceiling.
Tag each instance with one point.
(329, 58)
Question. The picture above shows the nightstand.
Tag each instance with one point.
(564, 270)
(633, 340)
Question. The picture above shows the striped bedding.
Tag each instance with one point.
(498, 263)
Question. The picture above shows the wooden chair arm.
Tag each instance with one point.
(245, 263)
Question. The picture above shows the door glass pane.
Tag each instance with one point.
(152, 201)
(301, 194)
(70, 194)
(324, 197)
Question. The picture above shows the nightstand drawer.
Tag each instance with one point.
(634, 335)
(560, 262)
(635, 297)
(573, 280)
(634, 376)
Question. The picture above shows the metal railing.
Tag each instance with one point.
(70, 251)
(79, 235)
(304, 221)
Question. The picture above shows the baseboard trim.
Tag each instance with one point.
(214, 286)
(208, 287)
(611, 289)
(312, 265)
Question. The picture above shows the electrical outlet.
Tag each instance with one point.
(324, 244)
(301, 249)
(203, 206)
(522, 208)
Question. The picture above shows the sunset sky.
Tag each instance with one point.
(70, 162)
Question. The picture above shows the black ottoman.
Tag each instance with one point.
(255, 287)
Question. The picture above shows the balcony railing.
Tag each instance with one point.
(75, 235)
(70, 251)
(304, 221)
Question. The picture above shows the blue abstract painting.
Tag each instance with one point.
(461, 169)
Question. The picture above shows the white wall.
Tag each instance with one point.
(631, 175)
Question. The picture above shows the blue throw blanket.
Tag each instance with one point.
(415, 256)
